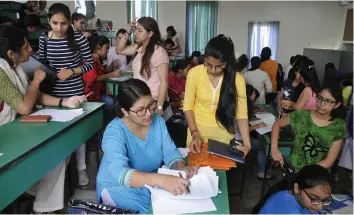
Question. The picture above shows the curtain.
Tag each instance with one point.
(141, 8)
(263, 34)
(202, 18)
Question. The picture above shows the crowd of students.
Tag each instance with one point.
(219, 95)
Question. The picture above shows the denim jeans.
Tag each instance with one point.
(261, 156)
(108, 101)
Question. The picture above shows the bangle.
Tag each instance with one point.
(195, 130)
(60, 102)
(74, 74)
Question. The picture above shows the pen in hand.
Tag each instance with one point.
(187, 188)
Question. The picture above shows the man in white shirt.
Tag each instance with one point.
(258, 79)
(112, 55)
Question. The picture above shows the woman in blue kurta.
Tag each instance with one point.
(135, 144)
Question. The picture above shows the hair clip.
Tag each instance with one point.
(310, 67)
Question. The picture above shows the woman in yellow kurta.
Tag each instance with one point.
(215, 97)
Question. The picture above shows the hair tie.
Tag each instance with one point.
(310, 67)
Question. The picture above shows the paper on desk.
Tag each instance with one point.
(202, 186)
(1, 154)
(265, 130)
(60, 115)
(173, 206)
(264, 115)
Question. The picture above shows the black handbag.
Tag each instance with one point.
(85, 207)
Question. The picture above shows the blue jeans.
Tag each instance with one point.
(261, 156)
(108, 101)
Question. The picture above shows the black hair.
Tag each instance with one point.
(308, 177)
(77, 16)
(11, 38)
(150, 25)
(308, 73)
(255, 63)
(243, 61)
(180, 64)
(294, 58)
(297, 66)
(32, 20)
(169, 41)
(172, 30)
(129, 92)
(196, 54)
(266, 53)
(222, 48)
(57, 8)
(98, 41)
(121, 31)
(249, 91)
(336, 92)
(330, 66)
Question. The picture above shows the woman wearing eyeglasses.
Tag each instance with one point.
(215, 98)
(306, 192)
(319, 133)
(135, 144)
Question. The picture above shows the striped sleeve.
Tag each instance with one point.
(41, 55)
(85, 52)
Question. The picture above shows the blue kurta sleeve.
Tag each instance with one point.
(115, 165)
(169, 150)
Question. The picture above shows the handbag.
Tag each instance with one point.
(85, 207)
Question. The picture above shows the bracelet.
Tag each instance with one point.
(195, 130)
(60, 102)
(74, 74)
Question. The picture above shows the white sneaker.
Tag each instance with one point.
(83, 178)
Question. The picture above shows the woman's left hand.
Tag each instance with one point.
(74, 101)
(244, 149)
(64, 74)
(190, 171)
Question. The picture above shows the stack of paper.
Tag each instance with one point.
(60, 115)
(266, 118)
(202, 187)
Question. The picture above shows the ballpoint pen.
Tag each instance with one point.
(187, 188)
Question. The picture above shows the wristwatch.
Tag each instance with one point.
(159, 107)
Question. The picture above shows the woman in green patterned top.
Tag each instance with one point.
(319, 133)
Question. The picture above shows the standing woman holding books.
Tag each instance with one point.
(151, 59)
(69, 53)
(215, 101)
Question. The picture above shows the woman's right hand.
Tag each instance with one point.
(173, 184)
(115, 74)
(196, 143)
(261, 125)
(39, 75)
(277, 156)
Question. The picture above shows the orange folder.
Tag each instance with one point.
(205, 159)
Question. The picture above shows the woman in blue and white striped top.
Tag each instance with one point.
(69, 53)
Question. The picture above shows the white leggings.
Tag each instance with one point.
(81, 157)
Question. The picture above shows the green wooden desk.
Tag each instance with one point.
(113, 83)
(31, 150)
(221, 201)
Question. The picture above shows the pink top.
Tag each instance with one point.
(158, 57)
(311, 103)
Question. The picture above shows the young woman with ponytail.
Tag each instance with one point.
(215, 97)
(69, 53)
(151, 60)
(319, 133)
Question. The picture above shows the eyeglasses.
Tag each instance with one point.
(142, 112)
(324, 101)
(325, 202)
(217, 68)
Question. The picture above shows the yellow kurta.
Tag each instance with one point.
(202, 99)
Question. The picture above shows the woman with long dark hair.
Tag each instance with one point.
(68, 52)
(305, 192)
(215, 97)
(319, 133)
(172, 35)
(150, 63)
(307, 99)
(135, 144)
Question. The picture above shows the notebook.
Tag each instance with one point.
(223, 150)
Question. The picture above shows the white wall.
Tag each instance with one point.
(302, 24)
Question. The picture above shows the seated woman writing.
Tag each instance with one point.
(319, 133)
(305, 192)
(177, 80)
(135, 144)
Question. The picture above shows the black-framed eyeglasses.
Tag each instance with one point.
(325, 202)
(142, 112)
(217, 68)
(324, 101)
